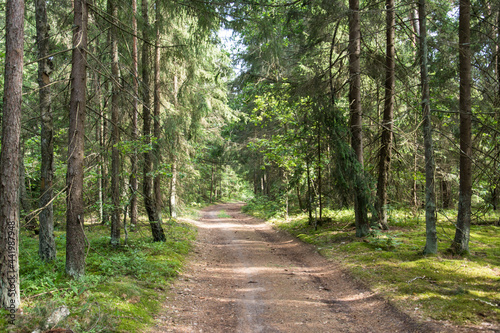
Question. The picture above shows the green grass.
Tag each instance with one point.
(223, 215)
(121, 291)
(463, 290)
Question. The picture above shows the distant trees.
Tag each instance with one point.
(81, 118)
(311, 51)
(325, 105)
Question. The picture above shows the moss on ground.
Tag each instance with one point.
(122, 290)
(463, 290)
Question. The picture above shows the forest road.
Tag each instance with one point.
(244, 276)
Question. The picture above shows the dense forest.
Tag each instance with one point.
(123, 112)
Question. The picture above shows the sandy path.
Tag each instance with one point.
(246, 277)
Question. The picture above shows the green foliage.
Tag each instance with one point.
(121, 291)
(442, 287)
(223, 215)
(261, 207)
(383, 241)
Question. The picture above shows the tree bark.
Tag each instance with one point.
(47, 245)
(24, 201)
(135, 134)
(156, 117)
(99, 132)
(104, 168)
(446, 193)
(386, 147)
(299, 198)
(75, 238)
(147, 184)
(212, 180)
(414, 17)
(460, 243)
(497, 68)
(320, 185)
(9, 158)
(496, 186)
(173, 190)
(115, 134)
(309, 191)
(356, 122)
(430, 192)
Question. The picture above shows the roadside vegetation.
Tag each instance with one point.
(463, 290)
(122, 289)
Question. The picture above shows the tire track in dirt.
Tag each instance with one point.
(246, 277)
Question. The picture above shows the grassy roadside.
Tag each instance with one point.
(464, 291)
(122, 290)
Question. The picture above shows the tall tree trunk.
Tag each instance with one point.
(287, 195)
(414, 186)
(414, 18)
(462, 233)
(24, 198)
(173, 190)
(497, 59)
(135, 134)
(309, 191)
(356, 122)
(320, 197)
(156, 117)
(103, 161)
(430, 192)
(299, 198)
(147, 184)
(75, 210)
(9, 158)
(446, 193)
(115, 134)
(212, 181)
(221, 171)
(173, 147)
(98, 129)
(103, 144)
(386, 147)
(497, 69)
(46, 245)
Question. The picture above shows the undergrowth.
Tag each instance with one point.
(122, 288)
(222, 214)
(261, 207)
(462, 290)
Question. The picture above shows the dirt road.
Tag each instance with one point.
(246, 277)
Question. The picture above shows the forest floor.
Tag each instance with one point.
(244, 276)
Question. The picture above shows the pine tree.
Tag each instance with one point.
(75, 209)
(9, 157)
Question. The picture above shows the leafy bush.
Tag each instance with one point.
(262, 207)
